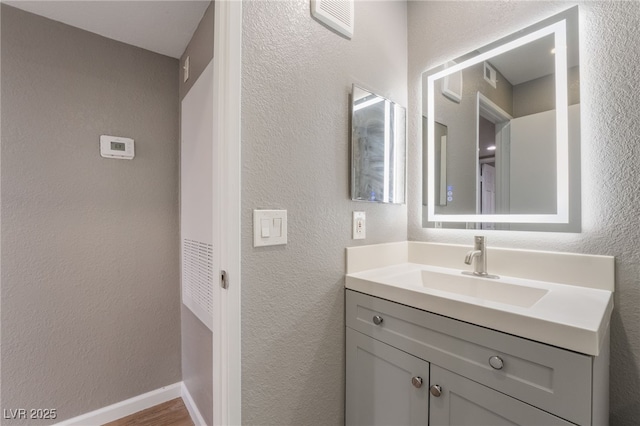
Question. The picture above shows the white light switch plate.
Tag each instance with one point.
(269, 227)
(359, 226)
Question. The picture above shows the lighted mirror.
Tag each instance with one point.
(501, 133)
(378, 148)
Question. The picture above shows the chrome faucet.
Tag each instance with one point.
(479, 254)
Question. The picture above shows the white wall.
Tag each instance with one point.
(610, 102)
(197, 339)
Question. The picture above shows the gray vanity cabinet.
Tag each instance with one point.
(385, 386)
(463, 402)
(469, 374)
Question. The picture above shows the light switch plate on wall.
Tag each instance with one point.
(269, 227)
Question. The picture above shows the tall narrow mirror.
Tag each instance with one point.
(502, 134)
(378, 148)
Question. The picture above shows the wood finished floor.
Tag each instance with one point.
(170, 413)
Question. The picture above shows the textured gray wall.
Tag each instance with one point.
(610, 54)
(90, 266)
(296, 81)
(197, 339)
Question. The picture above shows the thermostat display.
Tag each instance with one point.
(116, 147)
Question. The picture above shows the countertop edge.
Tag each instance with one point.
(577, 339)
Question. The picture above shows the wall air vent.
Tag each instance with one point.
(198, 279)
(336, 14)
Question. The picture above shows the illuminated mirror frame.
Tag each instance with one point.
(559, 30)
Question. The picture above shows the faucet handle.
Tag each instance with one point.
(479, 239)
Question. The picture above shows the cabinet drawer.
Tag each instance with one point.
(553, 379)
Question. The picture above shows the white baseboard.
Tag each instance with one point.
(197, 418)
(127, 407)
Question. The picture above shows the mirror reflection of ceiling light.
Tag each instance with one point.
(491, 148)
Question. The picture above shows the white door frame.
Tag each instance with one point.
(492, 112)
(227, 61)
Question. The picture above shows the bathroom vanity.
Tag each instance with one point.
(426, 345)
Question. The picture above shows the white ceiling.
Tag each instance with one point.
(163, 27)
(528, 62)
(534, 59)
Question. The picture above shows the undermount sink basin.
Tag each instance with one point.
(495, 290)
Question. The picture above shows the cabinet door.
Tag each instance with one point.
(464, 402)
(553, 379)
(381, 389)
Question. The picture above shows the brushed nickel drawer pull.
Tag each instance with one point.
(496, 362)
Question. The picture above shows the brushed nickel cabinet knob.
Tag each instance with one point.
(436, 390)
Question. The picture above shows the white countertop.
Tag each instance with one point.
(567, 316)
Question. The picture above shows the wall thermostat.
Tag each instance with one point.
(116, 147)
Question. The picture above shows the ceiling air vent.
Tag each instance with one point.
(336, 14)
